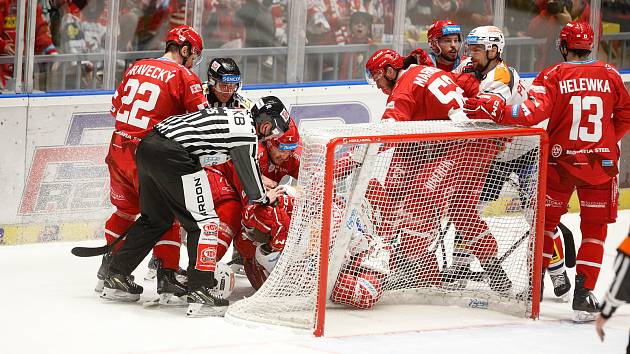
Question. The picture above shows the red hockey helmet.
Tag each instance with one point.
(380, 60)
(183, 34)
(576, 35)
(443, 28)
(288, 141)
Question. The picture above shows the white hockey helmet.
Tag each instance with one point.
(224, 275)
(488, 36)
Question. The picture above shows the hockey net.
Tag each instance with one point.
(403, 213)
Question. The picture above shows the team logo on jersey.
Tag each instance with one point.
(608, 163)
(390, 105)
(195, 88)
(556, 151)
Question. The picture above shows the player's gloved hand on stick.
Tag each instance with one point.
(485, 106)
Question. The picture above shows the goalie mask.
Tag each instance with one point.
(271, 109)
(224, 75)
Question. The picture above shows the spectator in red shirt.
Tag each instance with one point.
(8, 22)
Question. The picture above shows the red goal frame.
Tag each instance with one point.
(320, 315)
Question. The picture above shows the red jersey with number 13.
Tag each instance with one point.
(153, 90)
(589, 112)
(424, 93)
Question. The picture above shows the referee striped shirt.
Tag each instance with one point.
(216, 135)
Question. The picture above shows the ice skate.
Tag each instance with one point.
(456, 276)
(101, 274)
(154, 264)
(585, 304)
(561, 286)
(171, 292)
(237, 263)
(497, 278)
(122, 288)
(202, 303)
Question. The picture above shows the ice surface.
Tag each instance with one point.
(47, 305)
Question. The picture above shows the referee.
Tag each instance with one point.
(174, 184)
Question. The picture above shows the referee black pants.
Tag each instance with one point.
(172, 184)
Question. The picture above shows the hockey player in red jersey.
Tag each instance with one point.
(445, 40)
(151, 91)
(417, 93)
(278, 157)
(588, 108)
(424, 93)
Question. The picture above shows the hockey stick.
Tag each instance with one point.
(244, 101)
(96, 251)
(479, 276)
(441, 244)
(569, 246)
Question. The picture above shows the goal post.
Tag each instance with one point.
(386, 211)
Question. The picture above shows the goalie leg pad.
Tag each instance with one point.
(256, 274)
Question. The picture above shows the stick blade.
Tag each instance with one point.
(90, 251)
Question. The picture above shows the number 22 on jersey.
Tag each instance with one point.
(580, 104)
(134, 105)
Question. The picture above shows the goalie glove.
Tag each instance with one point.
(485, 106)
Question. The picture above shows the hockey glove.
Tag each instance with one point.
(485, 106)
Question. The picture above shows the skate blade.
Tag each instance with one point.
(167, 300)
(455, 285)
(118, 295)
(564, 298)
(151, 274)
(201, 310)
(100, 284)
(583, 316)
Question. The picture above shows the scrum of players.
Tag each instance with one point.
(584, 101)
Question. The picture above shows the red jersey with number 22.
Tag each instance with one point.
(588, 108)
(153, 90)
(424, 93)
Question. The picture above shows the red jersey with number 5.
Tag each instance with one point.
(425, 93)
(153, 90)
(588, 108)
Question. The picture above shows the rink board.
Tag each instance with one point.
(55, 180)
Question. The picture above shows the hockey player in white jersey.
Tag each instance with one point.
(485, 45)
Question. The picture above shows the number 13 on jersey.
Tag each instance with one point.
(579, 104)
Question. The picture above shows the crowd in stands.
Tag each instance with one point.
(80, 26)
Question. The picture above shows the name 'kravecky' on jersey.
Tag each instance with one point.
(216, 135)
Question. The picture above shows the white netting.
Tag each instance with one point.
(428, 221)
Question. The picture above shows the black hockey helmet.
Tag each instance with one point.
(271, 109)
(224, 70)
